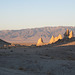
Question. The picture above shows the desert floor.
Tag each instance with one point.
(45, 60)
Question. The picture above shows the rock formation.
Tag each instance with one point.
(56, 39)
(4, 43)
(71, 34)
(52, 40)
(40, 42)
(66, 34)
(60, 36)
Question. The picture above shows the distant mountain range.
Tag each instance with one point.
(32, 35)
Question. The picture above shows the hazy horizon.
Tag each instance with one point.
(37, 27)
(23, 14)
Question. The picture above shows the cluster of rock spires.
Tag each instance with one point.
(40, 42)
(68, 35)
(53, 39)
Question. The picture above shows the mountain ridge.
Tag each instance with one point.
(33, 34)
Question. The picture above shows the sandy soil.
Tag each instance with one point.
(45, 60)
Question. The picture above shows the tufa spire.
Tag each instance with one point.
(52, 40)
(71, 34)
(40, 42)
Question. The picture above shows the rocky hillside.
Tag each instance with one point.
(32, 35)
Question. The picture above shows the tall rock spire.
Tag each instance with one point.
(66, 35)
(40, 42)
(52, 40)
(56, 39)
(71, 34)
(67, 32)
(60, 36)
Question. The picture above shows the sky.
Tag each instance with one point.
(22, 14)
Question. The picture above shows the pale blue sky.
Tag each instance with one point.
(22, 14)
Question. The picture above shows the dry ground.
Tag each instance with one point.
(45, 60)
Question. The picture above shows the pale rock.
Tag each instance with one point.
(60, 36)
(56, 39)
(71, 34)
(66, 34)
(52, 40)
(40, 42)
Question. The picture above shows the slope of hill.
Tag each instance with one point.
(32, 35)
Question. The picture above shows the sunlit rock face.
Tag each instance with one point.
(66, 34)
(71, 34)
(52, 40)
(60, 36)
(56, 38)
(40, 42)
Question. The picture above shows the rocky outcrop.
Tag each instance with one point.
(52, 40)
(68, 35)
(56, 38)
(32, 35)
(71, 34)
(60, 37)
(40, 42)
(4, 43)
(67, 32)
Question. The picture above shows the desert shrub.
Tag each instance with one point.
(70, 50)
(12, 67)
(15, 47)
(24, 50)
(1, 47)
(31, 69)
(9, 47)
(52, 57)
(46, 49)
(46, 55)
(20, 68)
(11, 51)
(0, 54)
(5, 48)
(35, 61)
(49, 73)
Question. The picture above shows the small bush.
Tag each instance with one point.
(24, 50)
(35, 61)
(9, 47)
(46, 55)
(11, 51)
(20, 68)
(48, 73)
(23, 69)
(52, 57)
